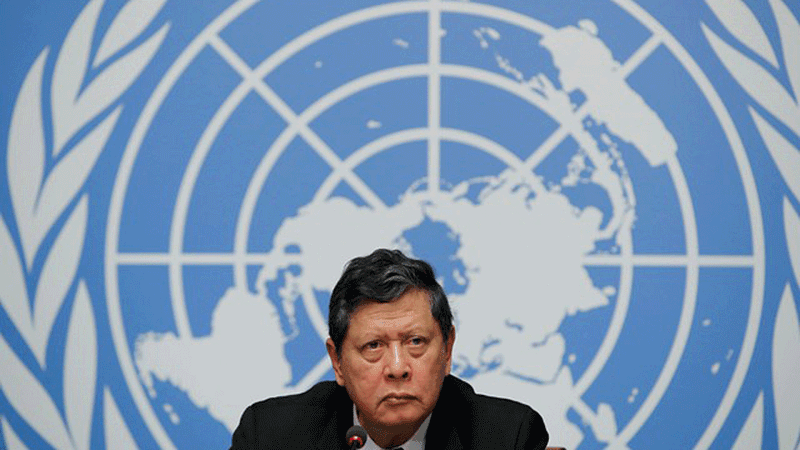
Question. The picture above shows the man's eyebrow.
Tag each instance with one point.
(369, 336)
(416, 331)
(372, 335)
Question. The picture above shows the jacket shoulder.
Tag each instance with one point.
(319, 395)
(287, 418)
(493, 421)
(456, 390)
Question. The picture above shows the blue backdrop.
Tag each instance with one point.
(609, 192)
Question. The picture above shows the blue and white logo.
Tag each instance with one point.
(609, 199)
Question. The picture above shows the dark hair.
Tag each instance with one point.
(383, 276)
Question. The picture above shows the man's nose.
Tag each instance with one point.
(397, 368)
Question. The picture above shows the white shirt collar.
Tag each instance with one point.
(417, 442)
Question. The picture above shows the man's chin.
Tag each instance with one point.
(401, 416)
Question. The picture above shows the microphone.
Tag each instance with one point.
(356, 437)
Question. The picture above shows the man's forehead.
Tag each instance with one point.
(407, 312)
(415, 299)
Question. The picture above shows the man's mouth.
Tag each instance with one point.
(398, 399)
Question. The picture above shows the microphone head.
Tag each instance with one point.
(357, 436)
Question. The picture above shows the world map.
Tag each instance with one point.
(467, 231)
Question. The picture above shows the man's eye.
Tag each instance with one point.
(372, 345)
(417, 341)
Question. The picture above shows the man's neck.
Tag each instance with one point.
(389, 437)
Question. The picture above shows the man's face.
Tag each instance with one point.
(393, 361)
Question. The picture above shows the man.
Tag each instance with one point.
(391, 343)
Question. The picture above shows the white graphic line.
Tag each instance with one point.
(314, 375)
(671, 260)
(200, 259)
(223, 258)
(618, 317)
(641, 54)
(118, 196)
(547, 147)
(571, 124)
(587, 414)
(434, 95)
(277, 103)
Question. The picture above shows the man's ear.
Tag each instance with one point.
(337, 367)
(451, 339)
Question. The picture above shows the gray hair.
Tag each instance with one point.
(383, 276)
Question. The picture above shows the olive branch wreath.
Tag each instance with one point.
(751, 69)
(48, 204)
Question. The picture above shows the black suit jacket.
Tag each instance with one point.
(319, 418)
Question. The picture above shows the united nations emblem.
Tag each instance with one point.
(571, 171)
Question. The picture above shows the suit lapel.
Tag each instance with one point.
(442, 435)
(443, 432)
(332, 435)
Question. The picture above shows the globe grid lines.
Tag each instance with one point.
(116, 322)
(754, 212)
(296, 126)
(434, 94)
(237, 257)
(681, 335)
(512, 161)
(312, 308)
(590, 260)
(222, 49)
(432, 73)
